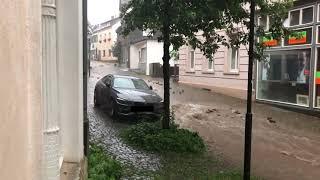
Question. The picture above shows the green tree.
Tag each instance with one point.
(195, 23)
(116, 50)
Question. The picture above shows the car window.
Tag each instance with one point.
(129, 83)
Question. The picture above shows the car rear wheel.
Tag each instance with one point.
(95, 100)
(113, 112)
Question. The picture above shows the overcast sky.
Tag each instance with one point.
(102, 10)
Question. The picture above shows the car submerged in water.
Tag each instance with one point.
(127, 96)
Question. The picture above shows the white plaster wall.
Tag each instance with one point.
(134, 57)
(154, 53)
(70, 78)
(113, 31)
(20, 90)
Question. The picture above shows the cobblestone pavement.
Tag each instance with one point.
(105, 131)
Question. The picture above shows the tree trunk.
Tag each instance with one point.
(166, 75)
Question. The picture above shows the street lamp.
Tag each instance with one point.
(248, 123)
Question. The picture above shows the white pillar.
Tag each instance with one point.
(69, 19)
(51, 132)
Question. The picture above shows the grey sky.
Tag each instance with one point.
(102, 10)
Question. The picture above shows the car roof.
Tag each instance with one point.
(124, 76)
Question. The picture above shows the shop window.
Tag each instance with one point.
(299, 37)
(301, 16)
(233, 59)
(284, 77)
(317, 80)
(192, 61)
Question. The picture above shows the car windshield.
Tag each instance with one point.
(129, 83)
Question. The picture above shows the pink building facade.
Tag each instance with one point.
(226, 74)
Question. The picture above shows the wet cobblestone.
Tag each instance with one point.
(106, 132)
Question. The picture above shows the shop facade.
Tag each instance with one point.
(290, 73)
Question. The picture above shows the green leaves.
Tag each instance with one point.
(197, 23)
(101, 166)
(151, 137)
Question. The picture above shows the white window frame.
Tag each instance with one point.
(300, 15)
(318, 13)
(317, 33)
(302, 45)
(192, 65)
(235, 70)
(267, 23)
(315, 98)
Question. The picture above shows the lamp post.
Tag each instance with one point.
(248, 123)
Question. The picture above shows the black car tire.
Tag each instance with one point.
(113, 111)
(95, 100)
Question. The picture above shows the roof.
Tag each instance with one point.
(125, 76)
(106, 24)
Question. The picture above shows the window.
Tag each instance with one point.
(284, 77)
(143, 55)
(110, 52)
(192, 62)
(299, 37)
(265, 22)
(104, 53)
(233, 59)
(301, 16)
(294, 18)
(307, 15)
(317, 80)
(129, 83)
(210, 65)
(318, 12)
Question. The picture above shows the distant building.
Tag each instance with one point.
(103, 39)
(140, 49)
(289, 77)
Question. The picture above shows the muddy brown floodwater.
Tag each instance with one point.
(278, 152)
(286, 144)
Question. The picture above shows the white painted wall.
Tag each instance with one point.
(70, 78)
(113, 31)
(154, 53)
(20, 90)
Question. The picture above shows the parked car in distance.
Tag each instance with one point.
(127, 96)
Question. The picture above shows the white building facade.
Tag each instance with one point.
(41, 67)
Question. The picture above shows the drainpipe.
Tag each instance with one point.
(85, 77)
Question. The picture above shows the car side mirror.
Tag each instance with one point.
(151, 87)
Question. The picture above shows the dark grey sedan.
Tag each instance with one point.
(126, 96)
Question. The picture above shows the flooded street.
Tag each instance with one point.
(286, 144)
